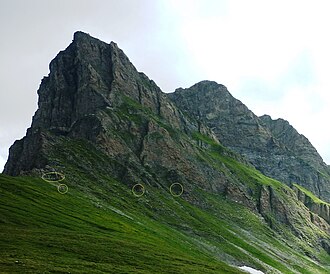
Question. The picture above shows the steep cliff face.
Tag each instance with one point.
(233, 123)
(315, 205)
(273, 147)
(91, 92)
(302, 164)
(95, 95)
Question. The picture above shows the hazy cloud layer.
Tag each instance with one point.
(272, 55)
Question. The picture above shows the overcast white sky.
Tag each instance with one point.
(272, 55)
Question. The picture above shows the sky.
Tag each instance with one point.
(272, 55)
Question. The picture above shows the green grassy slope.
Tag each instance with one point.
(99, 226)
(310, 195)
(45, 231)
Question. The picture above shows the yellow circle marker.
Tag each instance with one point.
(62, 188)
(175, 185)
(53, 176)
(138, 188)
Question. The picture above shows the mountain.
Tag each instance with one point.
(273, 146)
(150, 186)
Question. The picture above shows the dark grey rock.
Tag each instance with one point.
(273, 147)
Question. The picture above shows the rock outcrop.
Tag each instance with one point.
(320, 208)
(273, 147)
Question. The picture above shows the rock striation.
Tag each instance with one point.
(272, 146)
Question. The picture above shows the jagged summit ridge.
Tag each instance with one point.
(86, 80)
(272, 146)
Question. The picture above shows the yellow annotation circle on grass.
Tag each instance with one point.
(175, 185)
(136, 188)
(53, 177)
(62, 188)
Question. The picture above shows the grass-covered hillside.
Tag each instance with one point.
(100, 226)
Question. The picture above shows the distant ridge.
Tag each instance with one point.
(272, 146)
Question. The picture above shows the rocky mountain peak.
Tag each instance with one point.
(215, 106)
(204, 88)
(272, 146)
(80, 35)
(207, 85)
(86, 80)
